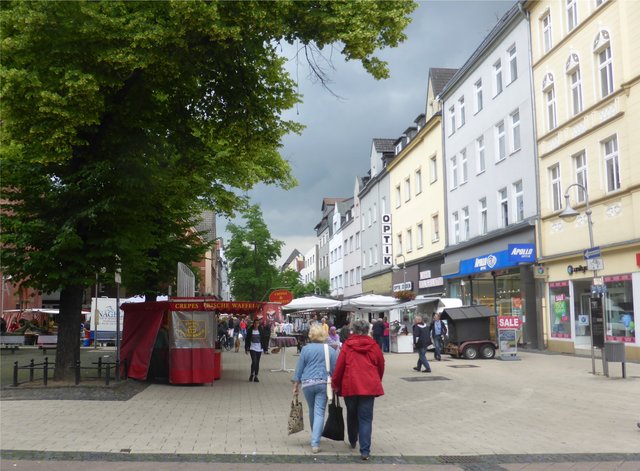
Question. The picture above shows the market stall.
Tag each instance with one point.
(179, 336)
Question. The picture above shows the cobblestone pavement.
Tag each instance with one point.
(543, 412)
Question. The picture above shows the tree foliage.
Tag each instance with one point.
(121, 121)
(252, 255)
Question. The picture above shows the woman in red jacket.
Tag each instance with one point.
(358, 378)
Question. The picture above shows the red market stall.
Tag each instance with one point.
(177, 337)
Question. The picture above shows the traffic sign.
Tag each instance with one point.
(595, 264)
(593, 252)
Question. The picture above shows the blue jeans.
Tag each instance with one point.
(422, 359)
(437, 342)
(360, 421)
(316, 396)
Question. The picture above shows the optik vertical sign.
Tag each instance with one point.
(387, 241)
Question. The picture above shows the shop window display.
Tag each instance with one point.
(618, 308)
(559, 302)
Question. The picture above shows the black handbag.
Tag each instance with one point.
(334, 427)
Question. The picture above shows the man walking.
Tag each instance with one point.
(438, 330)
(421, 341)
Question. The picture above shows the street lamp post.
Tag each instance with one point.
(569, 214)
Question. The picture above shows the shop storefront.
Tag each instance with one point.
(570, 303)
(501, 280)
(430, 280)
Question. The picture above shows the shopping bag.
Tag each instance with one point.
(296, 423)
(334, 426)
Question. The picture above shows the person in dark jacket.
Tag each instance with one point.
(256, 341)
(421, 341)
(358, 378)
(345, 331)
(378, 331)
(438, 331)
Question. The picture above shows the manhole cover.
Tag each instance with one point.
(426, 378)
(463, 366)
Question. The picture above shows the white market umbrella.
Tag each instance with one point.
(311, 303)
(370, 302)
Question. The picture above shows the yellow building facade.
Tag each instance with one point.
(417, 201)
(586, 85)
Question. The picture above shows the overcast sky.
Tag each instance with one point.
(334, 147)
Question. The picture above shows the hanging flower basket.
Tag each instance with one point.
(405, 295)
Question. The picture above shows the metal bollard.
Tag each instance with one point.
(108, 375)
(45, 370)
(100, 367)
(15, 374)
(117, 370)
(126, 369)
(31, 367)
(77, 372)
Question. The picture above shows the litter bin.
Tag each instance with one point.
(614, 351)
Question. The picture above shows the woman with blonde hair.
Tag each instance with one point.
(311, 376)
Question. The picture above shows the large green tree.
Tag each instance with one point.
(121, 121)
(252, 254)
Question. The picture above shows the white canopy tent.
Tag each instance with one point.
(370, 303)
(310, 303)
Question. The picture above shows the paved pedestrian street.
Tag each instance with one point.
(543, 412)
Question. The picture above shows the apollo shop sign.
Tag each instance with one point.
(513, 256)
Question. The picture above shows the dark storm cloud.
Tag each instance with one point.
(335, 145)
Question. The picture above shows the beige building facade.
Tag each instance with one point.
(586, 85)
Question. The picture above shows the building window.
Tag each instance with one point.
(375, 254)
(465, 223)
(433, 169)
(572, 14)
(612, 164)
(409, 240)
(464, 166)
(419, 236)
(482, 209)
(399, 240)
(452, 119)
(515, 131)
(481, 163)
(575, 82)
(513, 63)
(518, 200)
(454, 172)
(550, 98)
(501, 147)
(497, 78)
(358, 275)
(418, 178)
(370, 217)
(456, 228)
(357, 240)
(580, 166)
(398, 197)
(503, 203)
(547, 41)
(375, 212)
(407, 189)
(478, 96)
(383, 205)
(435, 228)
(605, 65)
(461, 108)
(556, 187)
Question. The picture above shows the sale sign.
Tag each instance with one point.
(509, 323)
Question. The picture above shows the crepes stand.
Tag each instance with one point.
(179, 335)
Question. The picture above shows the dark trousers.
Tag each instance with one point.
(360, 421)
(255, 362)
(422, 359)
(378, 339)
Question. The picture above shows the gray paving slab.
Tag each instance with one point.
(542, 405)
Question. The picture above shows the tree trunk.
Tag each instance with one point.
(68, 351)
(150, 296)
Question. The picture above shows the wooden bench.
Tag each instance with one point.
(47, 342)
(11, 342)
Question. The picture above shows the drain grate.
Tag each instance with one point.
(457, 459)
(414, 379)
(463, 366)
